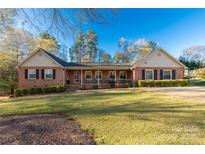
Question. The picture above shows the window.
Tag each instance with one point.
(31, 73)
(111, 75)
(149, 74)
(88, 75)
(123, 75)
(48, 73)
(100, 75)
(167, 74)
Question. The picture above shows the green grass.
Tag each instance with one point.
(198, 83)
(129, 116)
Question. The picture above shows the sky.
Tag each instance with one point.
(173, 29)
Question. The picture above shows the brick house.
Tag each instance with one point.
(42, 69)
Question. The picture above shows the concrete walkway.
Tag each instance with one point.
(194, 93)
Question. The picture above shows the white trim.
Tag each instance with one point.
(152, 74)
(34, 53)
(125, 75)
(158, 50)
(114, 75)
(85, 75)
(96, 73)
(45, 74)
(31, 69)
(170, 74)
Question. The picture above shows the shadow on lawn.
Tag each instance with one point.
(99, 103)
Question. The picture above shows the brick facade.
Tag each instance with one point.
(138, 72)
(28, 83)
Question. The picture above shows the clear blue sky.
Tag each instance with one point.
(173, 29)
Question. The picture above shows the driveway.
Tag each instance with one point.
(194, 93)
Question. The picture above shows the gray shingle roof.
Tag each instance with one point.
(87, 64)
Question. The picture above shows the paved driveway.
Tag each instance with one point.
(194, 93)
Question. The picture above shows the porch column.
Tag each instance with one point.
(133, 75)
(98, 77)
(115, 75)
(81, 77)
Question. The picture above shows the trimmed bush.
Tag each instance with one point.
(60, 89)
(32, 91)
(186, 77)
(25, 91)
(49, 89)
(18, 92)
(164, 83)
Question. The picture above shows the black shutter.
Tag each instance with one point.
(26, 73)
(37, 73)
(143, 74)
(173, 74)
(54, 73)
(42, 74)
(161, 74)
(155, 74)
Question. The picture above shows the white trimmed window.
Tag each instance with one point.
(88, 75)
(48, 74)
(167, 74)
(149, 74)
(123, 75)
(100, 75)
(111, 75)
(31, 73)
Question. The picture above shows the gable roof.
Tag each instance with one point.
(159, 50)
(64, 64)
(57, 60)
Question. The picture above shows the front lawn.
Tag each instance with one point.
(128, 116)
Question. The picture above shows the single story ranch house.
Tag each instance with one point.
(43, 69)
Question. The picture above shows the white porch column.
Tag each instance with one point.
(133, 77)
(81, 77)
(98, 77)
(64, 77)
(115, 75)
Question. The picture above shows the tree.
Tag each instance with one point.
(47, 42)
(129, 50)
(85, 47)
(106, 57)
(117, 57)
(58, 21)
(78, 51)
(91, 43)
(193, 57)
(15, 44)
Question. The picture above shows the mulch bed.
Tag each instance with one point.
(42, 129)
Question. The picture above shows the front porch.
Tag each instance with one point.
(98, 77)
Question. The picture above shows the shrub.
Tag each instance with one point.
(111, 83)
(49, 89)
(18, 92)
(25, 91)
(163, 83)
(31, 91)
(60, 89)
(95, 87)
(186, 77)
